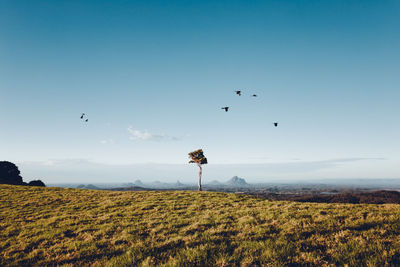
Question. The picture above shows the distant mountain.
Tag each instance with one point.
(128, 184)
(138, 183)
(178, 184)
(158, 185)
(236, 181)
(89, 186)
(131, 188)
(214, 182)
(163, 185)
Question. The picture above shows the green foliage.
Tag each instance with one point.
(198, 157)
(74, 227)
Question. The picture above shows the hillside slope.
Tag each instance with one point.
(42, 226)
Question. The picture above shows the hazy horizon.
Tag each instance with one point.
(83, 171)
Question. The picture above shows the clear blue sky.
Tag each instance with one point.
(152, 77)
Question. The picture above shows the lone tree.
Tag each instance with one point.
(198, 158)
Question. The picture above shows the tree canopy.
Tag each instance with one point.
(197, 157)
(10, 174)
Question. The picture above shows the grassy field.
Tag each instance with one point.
(55, 226)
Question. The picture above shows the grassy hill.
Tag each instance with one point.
(42, 226)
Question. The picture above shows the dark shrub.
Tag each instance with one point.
(9, 174)
(36, 183)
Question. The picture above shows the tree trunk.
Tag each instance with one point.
(200, 176)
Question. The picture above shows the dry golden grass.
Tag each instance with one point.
(55, 226)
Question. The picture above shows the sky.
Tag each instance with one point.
(152, 77)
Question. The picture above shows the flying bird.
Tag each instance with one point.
(226, 109)
(275, 124)
(83, 114)
(239, 93)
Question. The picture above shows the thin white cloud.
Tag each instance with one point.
(146, 136)
(48, 163)
(107, 141)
